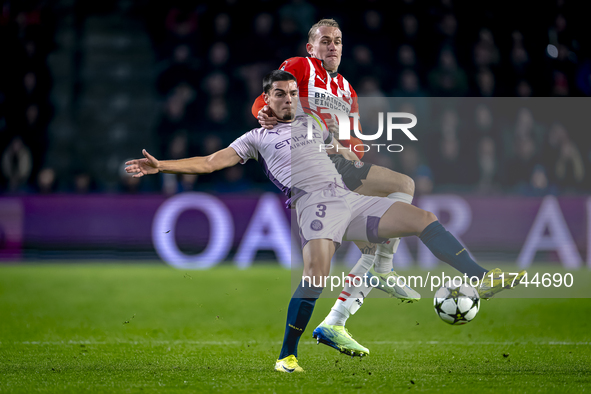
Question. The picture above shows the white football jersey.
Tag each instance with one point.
(292, 162)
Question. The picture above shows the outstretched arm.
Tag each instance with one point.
(194, 165)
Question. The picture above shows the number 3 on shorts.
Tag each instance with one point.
(321, 210)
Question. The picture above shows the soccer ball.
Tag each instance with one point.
(456, 305)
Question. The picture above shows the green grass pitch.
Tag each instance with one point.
(136, 328)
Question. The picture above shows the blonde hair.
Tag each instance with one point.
(323, 22)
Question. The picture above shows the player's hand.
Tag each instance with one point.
(267, 118)
(140, 167)
(333, 126)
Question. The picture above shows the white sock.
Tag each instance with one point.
(385, 252)
(355, 290)
(404, 197)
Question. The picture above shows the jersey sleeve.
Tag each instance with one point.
(296, 66)
(246, 146)
(258, 104)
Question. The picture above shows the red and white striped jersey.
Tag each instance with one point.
(317, 89)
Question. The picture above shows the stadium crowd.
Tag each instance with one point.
(25, 107)
(210, 58)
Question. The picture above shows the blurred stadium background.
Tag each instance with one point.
(85, 85)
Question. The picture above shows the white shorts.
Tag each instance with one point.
(337, 214)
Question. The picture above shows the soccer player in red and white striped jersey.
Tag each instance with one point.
(319, 89)
(321, 86)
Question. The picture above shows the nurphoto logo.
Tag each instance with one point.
(345, 132)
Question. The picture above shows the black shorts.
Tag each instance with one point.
(351, 171)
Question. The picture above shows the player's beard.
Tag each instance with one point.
(288, 116)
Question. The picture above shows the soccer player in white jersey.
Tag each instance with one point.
(321, 86)
(327, 212)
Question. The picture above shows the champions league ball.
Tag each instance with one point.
(456, 305)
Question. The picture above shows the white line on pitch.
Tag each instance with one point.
(222, 343)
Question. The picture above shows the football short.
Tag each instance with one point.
(351, 171)
(336, 213)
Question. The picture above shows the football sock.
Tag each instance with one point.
(355, 290)
(449, 250)
(385, 252)
(298, 315)
(404, 197)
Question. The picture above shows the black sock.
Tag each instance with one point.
(447, 249)
(298, 315)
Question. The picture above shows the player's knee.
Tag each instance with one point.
(316, 273)
(430, 217)
(424, 219)
(401, 183)
(407, 185)
(314, 279)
